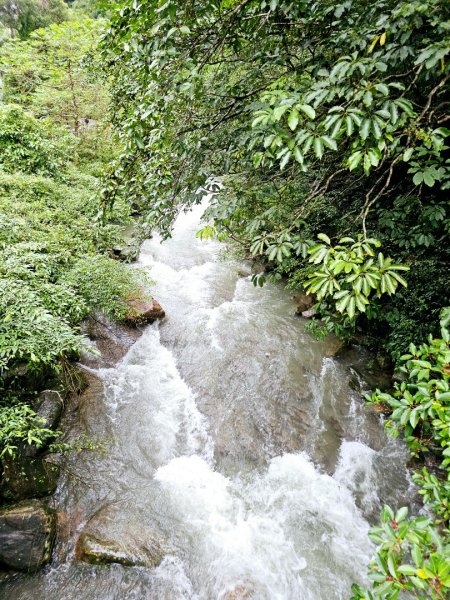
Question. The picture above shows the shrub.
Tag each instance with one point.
(28, 145)
(19, 424)
(412, 556)
(105, 285)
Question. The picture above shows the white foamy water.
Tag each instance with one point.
(355, 470)
(285, 533)
(168, 422)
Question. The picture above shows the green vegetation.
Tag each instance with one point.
(349, 278)
(56, 262)
(18, 425)
(414, 555)
(316, 117)
(18, 18)
(320, 121)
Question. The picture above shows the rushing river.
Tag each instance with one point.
(236, 437)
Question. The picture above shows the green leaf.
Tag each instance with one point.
(406, 570)
(418, 178)
(329, 142)
(308, 110)
(354, 159)
(285, 159)
(428, 179)
(407, 154)
(368, 98)
(365, 129)
(349, 123)
(324, 238)
(351, 307)
(293, 119)
(318, 147)
(401, 514)
(279, 111)
(298, 155)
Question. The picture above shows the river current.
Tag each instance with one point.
(236, 437)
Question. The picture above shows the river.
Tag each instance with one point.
(236, 437)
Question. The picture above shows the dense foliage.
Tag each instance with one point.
(414, 555)
(56, 262)
(317, 117)
(54, 75)
(19, 424)
(21, 17)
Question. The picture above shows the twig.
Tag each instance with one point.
(368, 204)
(431, 94)
(317, 191)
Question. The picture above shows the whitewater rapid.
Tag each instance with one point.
(236, 436)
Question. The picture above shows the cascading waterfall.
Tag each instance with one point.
(230, 431)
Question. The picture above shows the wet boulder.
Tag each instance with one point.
(126, 253)
(304, 302)
(27, 533)
(107, 538)
(27, 477)
(111, 340)
(143, 311)
(103, 551)
(50, 408)
(369, 376)
(333, 345)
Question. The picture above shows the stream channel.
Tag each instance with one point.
(233, 436)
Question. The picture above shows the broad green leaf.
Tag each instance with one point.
(279, 111)
(324, 238)
(293, 119)
(365, 129)
(428, 179)
(318, 147)
(308, 110)
(329, 142)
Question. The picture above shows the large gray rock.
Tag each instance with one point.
(112, 340)
(108, 538)
(27, 477)
(27, 533)
(127, 252)
(103, 551)
(369, 376)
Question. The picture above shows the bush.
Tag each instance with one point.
(419, 406)
(414, 555)
(105, 285)
(28, 145)
(19, 424)
(30, 335)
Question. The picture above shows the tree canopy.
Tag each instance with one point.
(21, 17)
(317, 117)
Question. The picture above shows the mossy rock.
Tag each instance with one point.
(102, 552)
(27, 534)
(27, 477)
